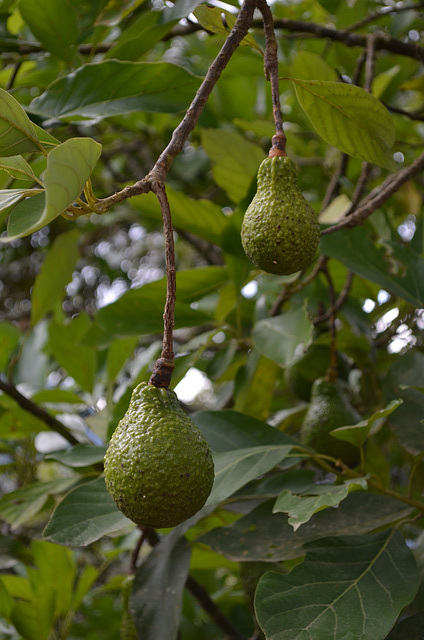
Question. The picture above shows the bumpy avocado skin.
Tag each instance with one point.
(329, 409)
(158, 466)
(280, 231)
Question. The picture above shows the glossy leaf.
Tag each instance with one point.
(80, 455)
(358, 433)
(278, 338)
(45, 20)
(140, 37)
(301, 508)
(400, 272)
(268, 537)
(17, 167)
(156, 597)
(10, 197)
(348, 118)
(84, 515)
(103, 89)
(69, 166)
(140, 311)
(50, 283)
(347, 588)
(235, 160)
(17, 133)
(234, 469)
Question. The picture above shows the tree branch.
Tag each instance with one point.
(375, 200)
(37, 411)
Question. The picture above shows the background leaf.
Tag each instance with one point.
(46, 23)
(347, 588)
(84, 515)
(348, 118)
(50, 283)
(117, 88)
(17, 133)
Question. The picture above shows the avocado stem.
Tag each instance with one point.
(162, 371)
(271, 71)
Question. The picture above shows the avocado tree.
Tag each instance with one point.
(131, 134)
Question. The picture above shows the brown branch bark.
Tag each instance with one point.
(37, 411)
(191, 117)
(376, 200)
(162, 372)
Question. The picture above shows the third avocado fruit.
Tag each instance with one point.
(329, 409)
(158, 466)
(280, 231)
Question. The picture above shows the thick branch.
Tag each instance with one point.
(373, 202)
(37, 411)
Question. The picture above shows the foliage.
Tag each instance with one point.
(291, 543)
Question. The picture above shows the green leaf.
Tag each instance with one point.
(229, 430)
(17, 133)
(80, 455)
(118, 353)
(398, 269)
(349, 118)
(279, 338)
(17, 167)
(234, 469)
(33, 618)
(266, 536)
(300, 509)
(202, 217)
(311, 66)
(55, 568)
(142, 34)
(49, 285)
(69, 166)
(347, 588)
(46, 21)
(211, 19)
(9, 197)
(78, 360)
(235, 160)
(358, 433)
(140, 311)
(85, 514)
(21, 505)
(109, 88)
(156, 598)
(9, 338)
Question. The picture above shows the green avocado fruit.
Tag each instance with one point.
(329, 409)
(158, 466)
(280, 231)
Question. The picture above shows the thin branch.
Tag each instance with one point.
(381, 13)
(211, 608)
(189, 121)
(340, 300)
(331, 373)
(37, 411)
(135, 552)
(375, 200)
(333, 187)
(382, 41)
(297, 286)
(408, 114)
(271, 71)
(162, 372)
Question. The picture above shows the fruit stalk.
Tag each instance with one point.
(271, 71)
(164, 366)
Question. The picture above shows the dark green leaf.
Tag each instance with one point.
(102, 89)
(81, 455)
(266, 536)
(399, 270)
(139, 311)
(347, 588)
(46, 22)
(234, 469)
(156, 599)
(85, 514)
(79, 361)
(9, 338)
